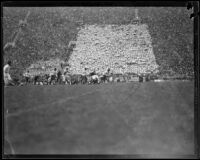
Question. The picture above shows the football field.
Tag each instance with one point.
(119, 118)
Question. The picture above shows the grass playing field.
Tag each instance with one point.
(121, 118)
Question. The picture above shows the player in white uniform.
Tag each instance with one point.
(7, 77)
(95, 77)
(64, 75)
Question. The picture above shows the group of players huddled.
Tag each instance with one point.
(56, 76)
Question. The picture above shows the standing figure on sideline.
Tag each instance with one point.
(59, 77)
(7, 77)
(84, 76)
(109, 75)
